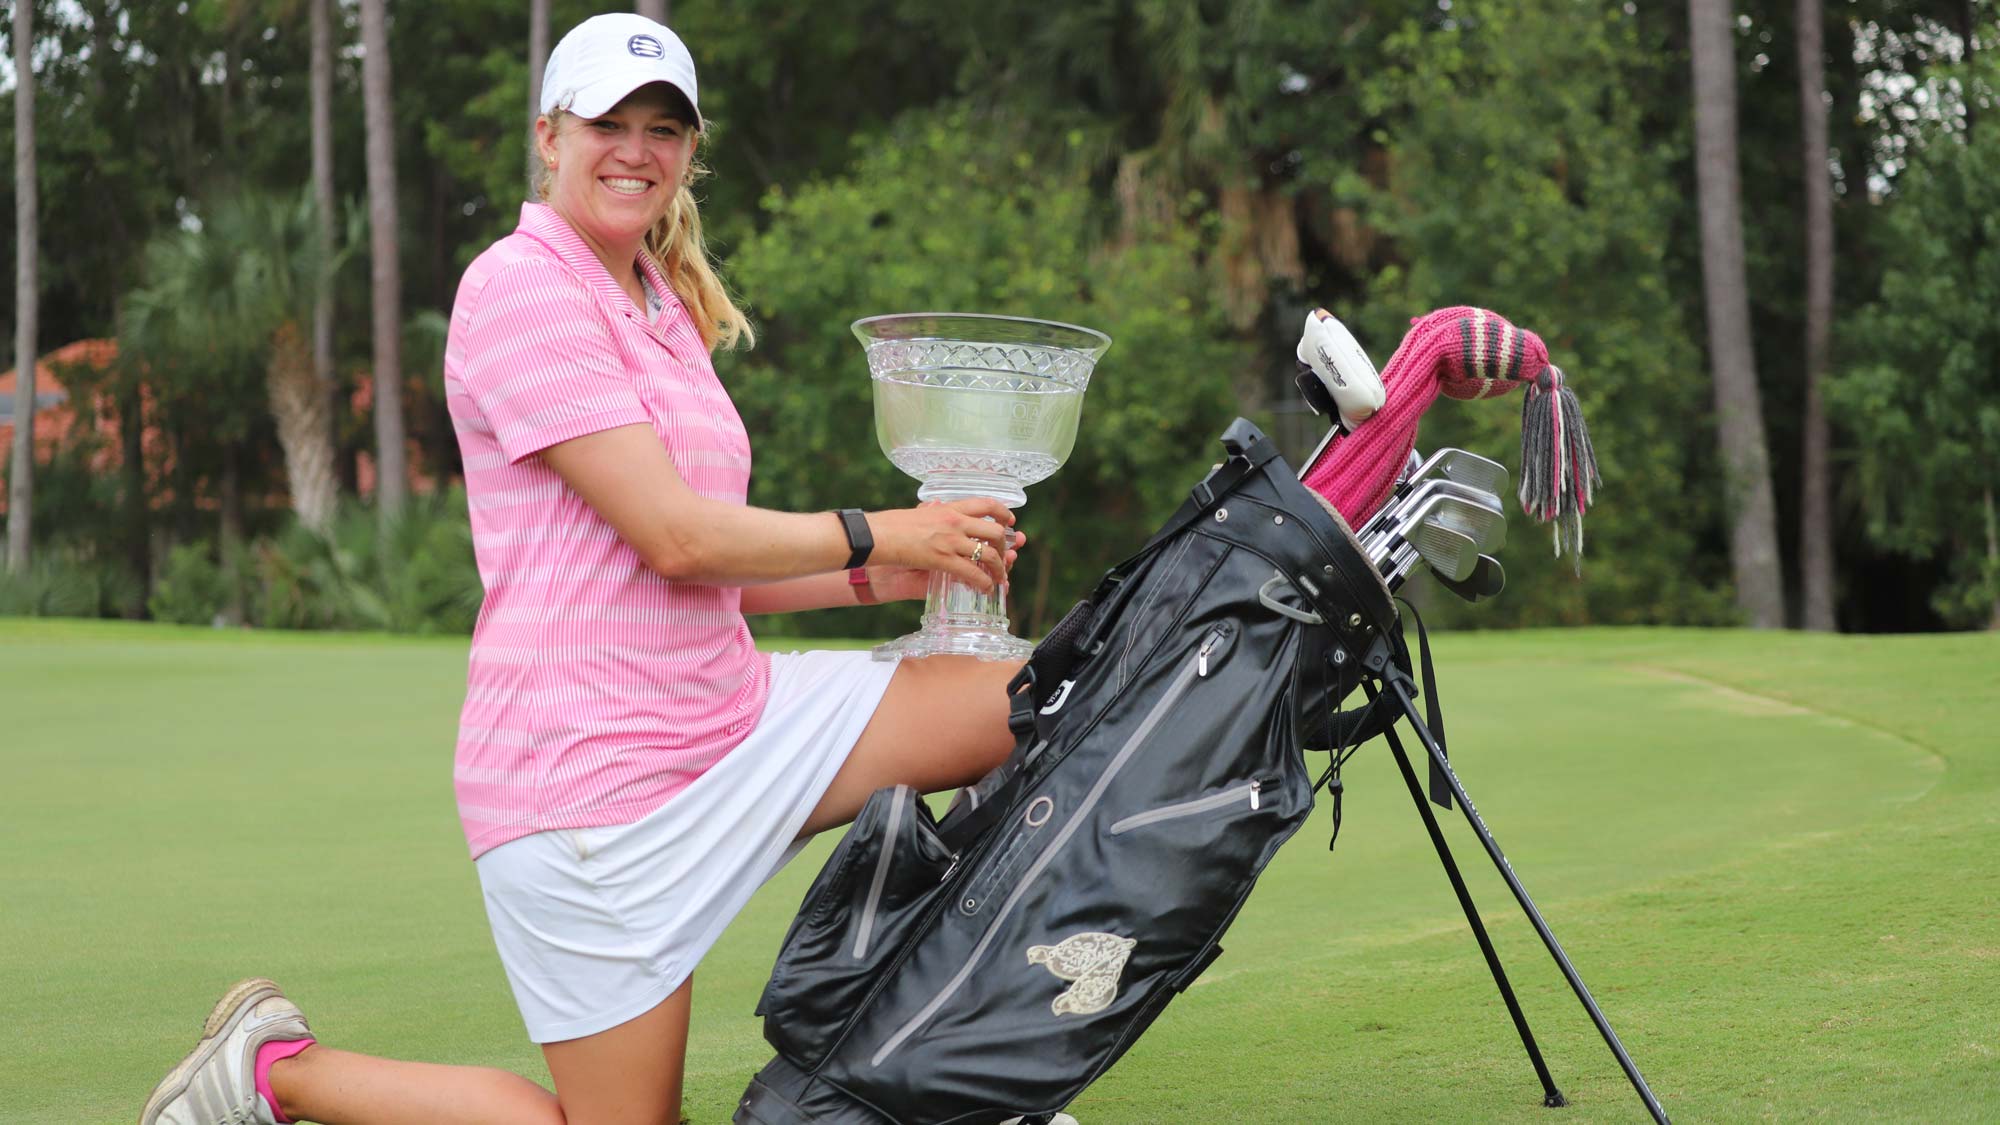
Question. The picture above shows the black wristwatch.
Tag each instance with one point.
(859, 540)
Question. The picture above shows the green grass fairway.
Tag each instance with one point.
(1774, 857)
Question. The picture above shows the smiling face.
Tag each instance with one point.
(615, 176)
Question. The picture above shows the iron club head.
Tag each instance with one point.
(1448, 553)
(1487, 579)
(1476, 516)
(1485, 527)
(1466, 492)
(1455, 466)
(1469, 469)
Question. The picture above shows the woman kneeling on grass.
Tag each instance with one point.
(629, 767)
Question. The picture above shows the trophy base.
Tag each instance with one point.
(959, 621)
(960, 640)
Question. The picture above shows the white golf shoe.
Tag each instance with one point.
(1058, 1119)
(217, 1083)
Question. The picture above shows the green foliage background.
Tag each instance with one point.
(1925, 393)
(937, 215)
(1552, 203)
(1188, 176)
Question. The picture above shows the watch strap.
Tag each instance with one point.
(863, 592)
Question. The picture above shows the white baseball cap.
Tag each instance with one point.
(607, 57)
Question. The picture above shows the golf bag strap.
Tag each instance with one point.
(963, 826)
(960, 831)
(1249, 451)
(1348, 739)
(1433, 711)
(1055, 658)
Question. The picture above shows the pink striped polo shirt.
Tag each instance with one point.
(596, 689)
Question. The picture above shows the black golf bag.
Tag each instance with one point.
(994, 963)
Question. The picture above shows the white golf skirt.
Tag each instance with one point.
(595, 926)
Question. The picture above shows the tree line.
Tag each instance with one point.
(1756, 235)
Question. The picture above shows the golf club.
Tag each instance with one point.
(1456, 466)
(1445, 551)
(1440, 502)
(1470, 469)
(1488, 577)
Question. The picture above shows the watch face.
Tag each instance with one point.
(859, 541)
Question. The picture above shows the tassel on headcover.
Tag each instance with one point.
(1468, 353)
(1558, 466)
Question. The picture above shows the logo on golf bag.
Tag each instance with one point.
(1058, 697)
(1093, 961)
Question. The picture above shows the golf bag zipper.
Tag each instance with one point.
(1193, 669)
(1234, 795)
(1201, 657)
(866, 929)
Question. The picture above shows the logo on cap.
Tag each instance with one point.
(645, 46)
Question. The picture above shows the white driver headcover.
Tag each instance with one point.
(1349, 376)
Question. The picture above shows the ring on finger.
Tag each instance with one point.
(978, 550)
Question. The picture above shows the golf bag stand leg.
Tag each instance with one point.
(1551, 1096)
(1399, 685)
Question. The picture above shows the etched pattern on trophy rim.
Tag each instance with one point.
(957, 364)
(1022, 466)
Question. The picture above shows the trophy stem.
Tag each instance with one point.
(960, 621)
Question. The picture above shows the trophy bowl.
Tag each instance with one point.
(974, 405)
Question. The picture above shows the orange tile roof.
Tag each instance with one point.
(55, 414)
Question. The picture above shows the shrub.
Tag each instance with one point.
(190, 588)
(66, 580)
(419, 578)
(50, 588)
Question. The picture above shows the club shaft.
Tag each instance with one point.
(1406, 699)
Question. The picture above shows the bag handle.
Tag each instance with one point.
(1249, 451)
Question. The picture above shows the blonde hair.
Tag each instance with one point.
(676, 246)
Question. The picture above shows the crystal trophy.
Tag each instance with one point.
(974, 405)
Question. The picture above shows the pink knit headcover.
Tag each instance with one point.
(1467, 353)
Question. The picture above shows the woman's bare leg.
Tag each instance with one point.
(941, 724)
(628, 1075)
(342, 1088)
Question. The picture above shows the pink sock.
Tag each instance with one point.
(266, 1055)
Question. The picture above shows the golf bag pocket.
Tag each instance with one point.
(1168, 583)
(1243, 797)
(867, 898)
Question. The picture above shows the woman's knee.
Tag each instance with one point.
(629, 1073)
(965, 684)
(964, 695)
